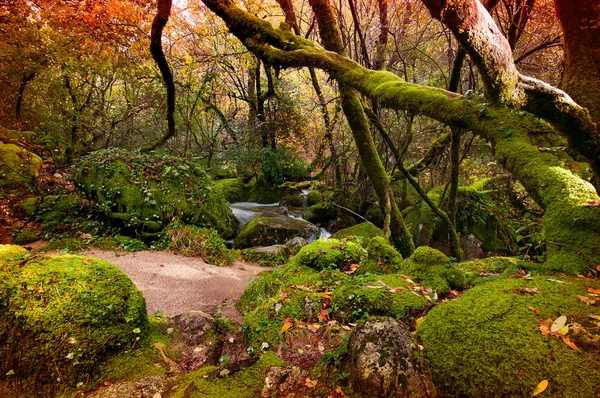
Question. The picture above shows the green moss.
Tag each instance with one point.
(364, 232)
(266, 195)
(139, 192)
(232, 189)
(25, 236)
(267, 258)
(428, 267)
(17, 165)
(320, 213)
(382, 258)
(487, 342)
(55, 211)
(329, 253)
(313, 198)
(60, 318)
(208, 381)
(30, 205)
(201, 242)
(69, 245)
(12, 253)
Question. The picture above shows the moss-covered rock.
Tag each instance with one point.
(364, 232)
(265, 195)
(320, 213)
(488, 343)
(232, 189)
(429, 267)
(292, 200)
(143, 192)
(17, 165)
(11, 253)
(24, 237)
(60, 317)
(267, 255)
(265, 231)
(329, 253)
(54, 210)
(382, 258)
(313, 198)
(341, 221)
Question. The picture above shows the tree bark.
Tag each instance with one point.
(359, 125)
(26, 79)
(160, 21)
(579, 20)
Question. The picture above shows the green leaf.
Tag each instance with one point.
(136, 330)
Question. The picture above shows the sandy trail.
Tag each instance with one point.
(174, 284)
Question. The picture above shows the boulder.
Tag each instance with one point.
(17, 165)
(193, 325)
(232, 189)
(292, 201)
(268, 255)
(295, 244)
(431, 268)
(329, 253)
(283, 381)
(341, 221)
(143, 192)
(384, 362)
(264, 231)
(313, 198)
(320, 213)
(363, 231)
(61, 317)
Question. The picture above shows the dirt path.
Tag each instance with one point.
(174, 284)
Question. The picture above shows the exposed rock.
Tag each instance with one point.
(268, 255)
(295, 244)
(383, 363)
(292, 200)
(284, 381)
(264, 231)
(193, 325)
(148, 387)
(340, 222)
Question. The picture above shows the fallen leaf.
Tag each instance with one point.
(286, 326)
(534, 310)
(593, 203)
(313, 327)
(419, 321)
(283, 295)
(299, 323)
(568, 342)
(558, 323)
(587, 300)
(555, 281)
(323, 315)
(540, 388)
(564, 330)
(107, 383)
(86, 262)
(521, 272)
(597, 317)
(310, 383)
(397, 289)
(593, 291)
(545, 325)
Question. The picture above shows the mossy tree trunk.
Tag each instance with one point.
(359, 124)
(571, 226)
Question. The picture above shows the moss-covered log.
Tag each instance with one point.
(571, 227)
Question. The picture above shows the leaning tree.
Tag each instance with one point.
(518, 109)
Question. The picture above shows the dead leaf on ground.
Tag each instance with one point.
(593, 291)
(555, 281)
(593, 203)
(397, 289)
(558, 323)
(323, 315)
(568, 342)
(540, 388)
(587, 300)
(286, 326)
(86, 262)
(534, 310)
(526, 290)
(521, 272)
(597, 317)
(310, 383)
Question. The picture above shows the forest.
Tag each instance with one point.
(299, 198)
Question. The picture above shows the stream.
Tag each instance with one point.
(246, 211)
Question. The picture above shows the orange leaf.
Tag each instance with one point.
(597, 317)
(323, 315)
(593, 291)
(568, 342)
(286, 326)
(86, 262)
(540, 388)
(299, 323)
(521, 272)
(534, 310)
(310, 383)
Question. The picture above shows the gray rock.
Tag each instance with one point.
(383, 362)
(193, 325)
(265, 231)
(295, 244)
(284, 381)
(267, 253)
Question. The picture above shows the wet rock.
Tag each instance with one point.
(264, 231)
(383, 363)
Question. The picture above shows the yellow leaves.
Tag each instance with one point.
(540, 388)
(596, 317)
(310, 383)
(419, 321)
(568, 342)
(286, 326)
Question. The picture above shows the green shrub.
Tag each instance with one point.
(200, 242)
